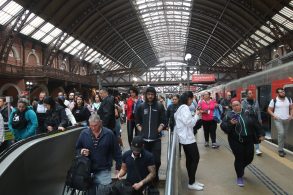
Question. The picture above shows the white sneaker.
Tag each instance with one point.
(195, 187)
(199, 184)
(258, 152)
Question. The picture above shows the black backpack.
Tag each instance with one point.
(19, 121)
(79, 174)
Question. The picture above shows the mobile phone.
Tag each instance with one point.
(235, 117)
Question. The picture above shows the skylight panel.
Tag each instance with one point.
(39, 34)
(287, 12)
(9, 11)
(47, 39)
(36, 22)
(2, 2)
(162, 22)
(12, 8)
(47, 27)
(27, 30)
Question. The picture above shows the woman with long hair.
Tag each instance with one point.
(184, 129)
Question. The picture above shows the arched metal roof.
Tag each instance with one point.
(139, 34)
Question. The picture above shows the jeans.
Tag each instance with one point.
(282, 128)
(102, 183)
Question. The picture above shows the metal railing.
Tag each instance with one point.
(172, 185)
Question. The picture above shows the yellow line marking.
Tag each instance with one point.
(284, 161)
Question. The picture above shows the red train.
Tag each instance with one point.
(263, 85)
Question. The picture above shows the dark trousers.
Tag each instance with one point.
(130, 127)
(155, 148)
(209, 128)
(192, 159)
(243, 152)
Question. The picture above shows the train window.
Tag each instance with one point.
(233, 93)
(289, 91)
(243, 95)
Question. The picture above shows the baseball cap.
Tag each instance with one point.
(137, 144)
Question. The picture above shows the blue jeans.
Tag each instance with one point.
(102, 181)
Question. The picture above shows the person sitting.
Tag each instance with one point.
(23, 121)
(139, 165)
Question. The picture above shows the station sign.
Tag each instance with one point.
(199, 78)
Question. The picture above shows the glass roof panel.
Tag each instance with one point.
(47, 39)
(2, 2)
(8, 11)
(166, 24)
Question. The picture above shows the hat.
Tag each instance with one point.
(151, 90)
(137, 144)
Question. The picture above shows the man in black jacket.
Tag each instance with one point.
(150, 120)
(107, 109)
(40, 111)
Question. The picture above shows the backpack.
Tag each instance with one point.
(19, 121)
(79, 175)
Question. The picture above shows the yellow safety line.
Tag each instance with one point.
(275, 155)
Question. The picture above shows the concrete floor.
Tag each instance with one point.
(268, 174)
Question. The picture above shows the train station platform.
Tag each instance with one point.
(268, 174)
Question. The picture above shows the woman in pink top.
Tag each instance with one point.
(207, 107)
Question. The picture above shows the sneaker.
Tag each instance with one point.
(199, 184)
(195, 187)
(258, 152)
(206, 144)
(282, 153)
(240, 181)
(214, 145)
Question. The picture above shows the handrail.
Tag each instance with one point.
(173, 169)
(16, 145)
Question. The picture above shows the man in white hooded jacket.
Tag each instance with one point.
(184, 129)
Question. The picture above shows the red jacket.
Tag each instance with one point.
(129, 112)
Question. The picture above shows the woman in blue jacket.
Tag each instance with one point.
(23, 120)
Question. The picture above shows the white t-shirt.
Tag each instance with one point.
(281, 108)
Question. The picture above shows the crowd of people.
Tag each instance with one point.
(146, 117)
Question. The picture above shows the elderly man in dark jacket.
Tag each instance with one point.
(243, 131)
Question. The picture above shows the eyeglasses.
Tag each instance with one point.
(281, 91)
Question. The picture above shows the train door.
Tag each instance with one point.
(264, 98)
(289, 137)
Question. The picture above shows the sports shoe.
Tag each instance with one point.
(195, 187)
(282, 153)
(258, 152)
(215, 145)
(199, 184)
(206, 144)
(240, 181)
